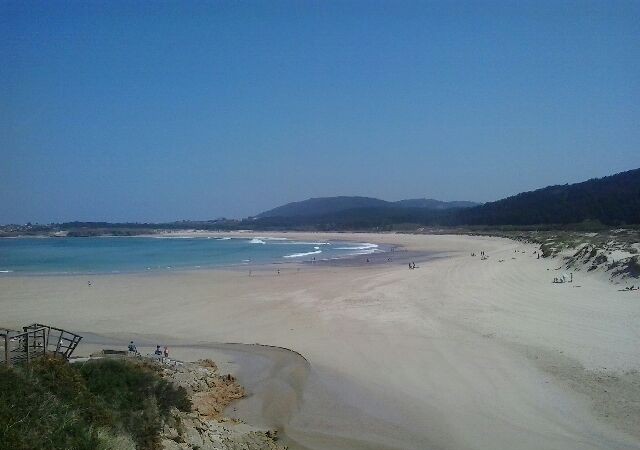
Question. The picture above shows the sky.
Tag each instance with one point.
(158, 111)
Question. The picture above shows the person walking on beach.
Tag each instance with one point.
(166, 351)
(132, 347)
(158, 351)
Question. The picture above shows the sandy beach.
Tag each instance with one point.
(460, 353)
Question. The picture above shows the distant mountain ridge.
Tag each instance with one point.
(613, 200)
(430, 203)
(610, 201)
(331, 205)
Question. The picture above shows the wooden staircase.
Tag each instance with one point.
(35, 341)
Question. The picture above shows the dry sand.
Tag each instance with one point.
(457, 354)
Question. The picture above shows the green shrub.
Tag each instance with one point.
(634, 266)
(136, 394)
(100, 405)
(547, 250)
(32, 417)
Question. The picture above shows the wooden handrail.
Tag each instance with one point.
(35, 337)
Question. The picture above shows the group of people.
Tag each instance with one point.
(482, 255)
(630, 288)
(412, 265)
(159, 352)
(563, 279)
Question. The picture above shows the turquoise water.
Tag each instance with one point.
(138, 254)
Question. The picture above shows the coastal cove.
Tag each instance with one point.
(328, 225)
(460, 353)
(166, 252)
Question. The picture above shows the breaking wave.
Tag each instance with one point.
(363, 246)
(299, 255)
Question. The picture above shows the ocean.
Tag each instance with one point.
(62, 255)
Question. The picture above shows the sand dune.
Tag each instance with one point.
(457, 354)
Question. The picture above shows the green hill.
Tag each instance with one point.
(332, 205)
(613, 200)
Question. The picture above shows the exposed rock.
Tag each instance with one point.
(205, 428)
(170, 433)
(168, 444)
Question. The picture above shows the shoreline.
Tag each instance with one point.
(350, 259)
(456, 354)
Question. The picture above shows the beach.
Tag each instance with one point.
(459, 353)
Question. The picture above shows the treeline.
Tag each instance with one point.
(609, 201)
(135, 227)
(612, 201)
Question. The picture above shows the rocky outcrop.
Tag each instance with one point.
(205, 428)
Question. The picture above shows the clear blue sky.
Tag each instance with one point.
(193, 110)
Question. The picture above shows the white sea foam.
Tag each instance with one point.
(299, 255)
(363, 246)
(6, 271)
(256, 241)
(223, 239)
(309, 243)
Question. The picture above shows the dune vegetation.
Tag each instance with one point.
(97, 405)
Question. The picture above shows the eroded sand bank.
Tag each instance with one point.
(458, 354)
